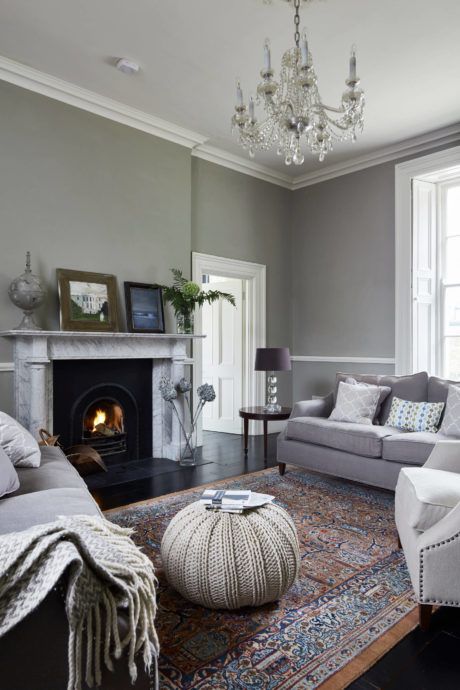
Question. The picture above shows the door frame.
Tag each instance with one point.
(255, 322)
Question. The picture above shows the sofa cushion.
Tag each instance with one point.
(438, 389)
(18, 443)
(20, 512)
(411, 448)
(351, 438)
(429, 495)
(355, 403)
(412, 387)
(9, 480)
(55, 472)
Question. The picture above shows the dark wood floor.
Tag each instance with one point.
(221, 456)
(422, 661)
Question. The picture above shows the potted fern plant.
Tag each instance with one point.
(185, 296)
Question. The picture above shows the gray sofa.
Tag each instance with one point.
(33, 654)
(370, 454)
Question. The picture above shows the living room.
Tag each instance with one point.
(194, 250)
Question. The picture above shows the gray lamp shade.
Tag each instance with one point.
(273, 359)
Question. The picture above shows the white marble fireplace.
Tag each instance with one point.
(35, 352)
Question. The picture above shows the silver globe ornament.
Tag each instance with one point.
(27, 292)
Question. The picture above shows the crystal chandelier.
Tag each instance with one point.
(295, 115)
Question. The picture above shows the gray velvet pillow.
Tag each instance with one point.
(9, 480)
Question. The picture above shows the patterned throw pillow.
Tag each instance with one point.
(384, 393)
(355, 403)
(18, 443)
(451, 422)
(415, 416)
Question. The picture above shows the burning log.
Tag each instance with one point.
(103, 430)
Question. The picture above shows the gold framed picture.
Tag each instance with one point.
(88, 301)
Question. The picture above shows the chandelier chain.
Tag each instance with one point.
(297, 22)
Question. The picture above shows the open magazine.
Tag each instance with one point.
(233, 500)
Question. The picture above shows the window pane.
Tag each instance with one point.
(453, 211)
(452, 274)
(452, 311)
(452, 359)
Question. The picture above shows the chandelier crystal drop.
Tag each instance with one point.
(295, 117)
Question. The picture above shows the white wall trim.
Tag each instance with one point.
(255, 305)
(350, 360)
(408, 147)
(240, 164)
(66, 92)
(6, 366)
(48, 85)
(404, 174)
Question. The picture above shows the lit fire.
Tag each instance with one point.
(100, 418)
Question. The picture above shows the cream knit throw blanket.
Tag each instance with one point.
(106, 573)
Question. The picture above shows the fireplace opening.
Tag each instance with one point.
(106, 404)
(104, 427)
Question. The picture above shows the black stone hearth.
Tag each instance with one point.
(82, 388)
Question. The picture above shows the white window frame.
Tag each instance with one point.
(443, 284)
(404, 174)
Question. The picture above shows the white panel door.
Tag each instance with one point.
(424, 260)
(223, 358)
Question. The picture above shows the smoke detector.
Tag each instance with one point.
(127, 66)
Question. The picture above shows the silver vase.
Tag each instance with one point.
(27, 292)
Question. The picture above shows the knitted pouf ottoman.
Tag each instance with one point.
(229, 560)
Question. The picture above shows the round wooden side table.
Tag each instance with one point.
(259, 414)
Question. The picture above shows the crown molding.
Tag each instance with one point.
(47, 85)
(213, 154)
(66, 92)
(407, 147)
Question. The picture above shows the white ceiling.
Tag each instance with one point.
(191, 51)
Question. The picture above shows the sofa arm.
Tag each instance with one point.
(445, 456)
(439, 553)
(319, 407)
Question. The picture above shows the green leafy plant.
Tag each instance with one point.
(185, 295)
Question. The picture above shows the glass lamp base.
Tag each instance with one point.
(272, 408)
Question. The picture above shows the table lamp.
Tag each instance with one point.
(272, 359)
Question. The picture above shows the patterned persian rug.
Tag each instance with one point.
(352, 602)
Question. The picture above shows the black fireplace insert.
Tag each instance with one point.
(106, 404)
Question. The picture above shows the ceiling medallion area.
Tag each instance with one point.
(295, 119)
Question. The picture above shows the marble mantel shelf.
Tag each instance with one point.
(35, 351)
(96, 334)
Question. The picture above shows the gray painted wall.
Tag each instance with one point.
(83, 192)
(241, 217)
(343, 279)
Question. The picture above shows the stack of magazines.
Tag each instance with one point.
(233, 500)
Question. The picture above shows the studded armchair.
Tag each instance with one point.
(427, 514)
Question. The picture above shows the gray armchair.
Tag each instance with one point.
(427, 514)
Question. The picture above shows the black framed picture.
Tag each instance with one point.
(144, 308)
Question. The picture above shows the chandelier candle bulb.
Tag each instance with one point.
(251, 108)
(239, 95)
(353, 65)
(267, 56)
(304, 50)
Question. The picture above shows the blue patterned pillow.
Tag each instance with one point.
(415, 416)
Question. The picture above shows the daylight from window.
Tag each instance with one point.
(450, 288)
